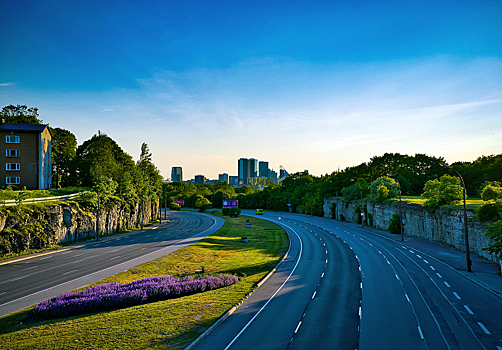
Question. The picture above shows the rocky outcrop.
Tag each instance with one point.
(441, 226)
(25, 228)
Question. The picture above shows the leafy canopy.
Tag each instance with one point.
(445, 191)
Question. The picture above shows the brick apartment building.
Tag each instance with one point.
(25, 155)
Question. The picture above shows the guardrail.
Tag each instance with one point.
(11, 202)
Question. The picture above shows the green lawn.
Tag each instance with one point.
(471, 203)
(171, 324)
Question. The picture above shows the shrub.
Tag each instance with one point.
(225, 211)
(395, 224)
(494, 231)
(342, 218)
(489, 211)
(234, 212)
(384, 187)
(332, 209)
(445, 191)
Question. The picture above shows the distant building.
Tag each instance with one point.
(272, 174)
(26, 154)
(233, 180)
(247, 169)
(283, 173)
(223, 177)
(176, 174)
(263, 169)
(199, 179)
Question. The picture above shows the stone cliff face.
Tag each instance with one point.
(442, 226)
(23, 229)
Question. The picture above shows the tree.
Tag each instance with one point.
(202, 204)
(384, 187)
(149, 183)
(494, 231)
(20, 114)
(64, 145)
(447, 190)
(492, 191)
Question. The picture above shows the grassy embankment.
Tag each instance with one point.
(170, 324)
(471, 203)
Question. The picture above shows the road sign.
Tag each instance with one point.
(230, 203)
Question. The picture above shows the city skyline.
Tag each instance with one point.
(319, 86)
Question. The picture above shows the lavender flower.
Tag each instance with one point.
(115, 295)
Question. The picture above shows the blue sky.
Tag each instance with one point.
(316, 85)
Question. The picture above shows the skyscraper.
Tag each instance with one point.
(176, 174)
(263, 169)
(247, 168)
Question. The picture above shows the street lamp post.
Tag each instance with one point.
(97, 220)
(400, 209)
(466, 235)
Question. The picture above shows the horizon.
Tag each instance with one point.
(321, 86)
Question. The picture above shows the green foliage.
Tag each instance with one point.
(395, 224)
(489, 211)
(491, 192)
(494, 231)
(351, 193)
(342, 218)
(202, 204)
(64, 151)
(384, 188)
(445, 191)
(332, 209)
(234, 212)
(20, 114)
(174, 206)
(358, 211)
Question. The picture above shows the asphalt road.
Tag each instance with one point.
(406, 299)
(35, 278)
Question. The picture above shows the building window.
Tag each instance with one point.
(12, 153)
(12, 180)
(12, 139)
(13, 166)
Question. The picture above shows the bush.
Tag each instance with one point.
(234, 212)
(342, 218)
(225, 211)
(332, 209)
(445, 191)
(489, 211)
(494, 231)
(395, 224)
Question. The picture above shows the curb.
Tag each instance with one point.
(239, 303)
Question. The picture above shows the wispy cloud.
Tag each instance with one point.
(6, 84)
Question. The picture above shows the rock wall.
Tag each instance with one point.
(441, 226)
(22, 229)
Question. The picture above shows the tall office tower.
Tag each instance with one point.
(176, 174)
(199, 179)
(272, 174)
(223, 177)
(247, 168)
(263, 169)
(282, 173)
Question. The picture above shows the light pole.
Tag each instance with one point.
(400, 209)
(466, 236)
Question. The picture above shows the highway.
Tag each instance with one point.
(343, 287)
(34, 278)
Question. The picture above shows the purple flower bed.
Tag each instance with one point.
(114, 295)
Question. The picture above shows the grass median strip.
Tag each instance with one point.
(171, 323)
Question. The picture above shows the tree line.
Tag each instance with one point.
(305, 192)
(99, 162)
